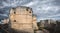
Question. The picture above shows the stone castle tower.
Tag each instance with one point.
(21, 18)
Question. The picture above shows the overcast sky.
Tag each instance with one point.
(44, 9)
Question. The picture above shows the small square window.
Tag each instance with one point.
(30, 12)
(14, 20)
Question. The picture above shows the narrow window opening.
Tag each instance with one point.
(27, 9)
(14, 20)
(13, 8)
(30, 12)
(14, 12)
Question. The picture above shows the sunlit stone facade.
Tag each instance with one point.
(21, 18)
(35, 22)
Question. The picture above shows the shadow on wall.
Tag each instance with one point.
(4, 29)
(17, 31)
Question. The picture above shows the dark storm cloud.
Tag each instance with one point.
(57, 2)
(13, 3)
(4, 12)
(44, 9)
(5, 4)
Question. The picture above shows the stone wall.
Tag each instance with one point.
(21, 19)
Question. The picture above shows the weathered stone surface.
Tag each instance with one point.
(39, 31)
(21, 18)
(42, 31)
